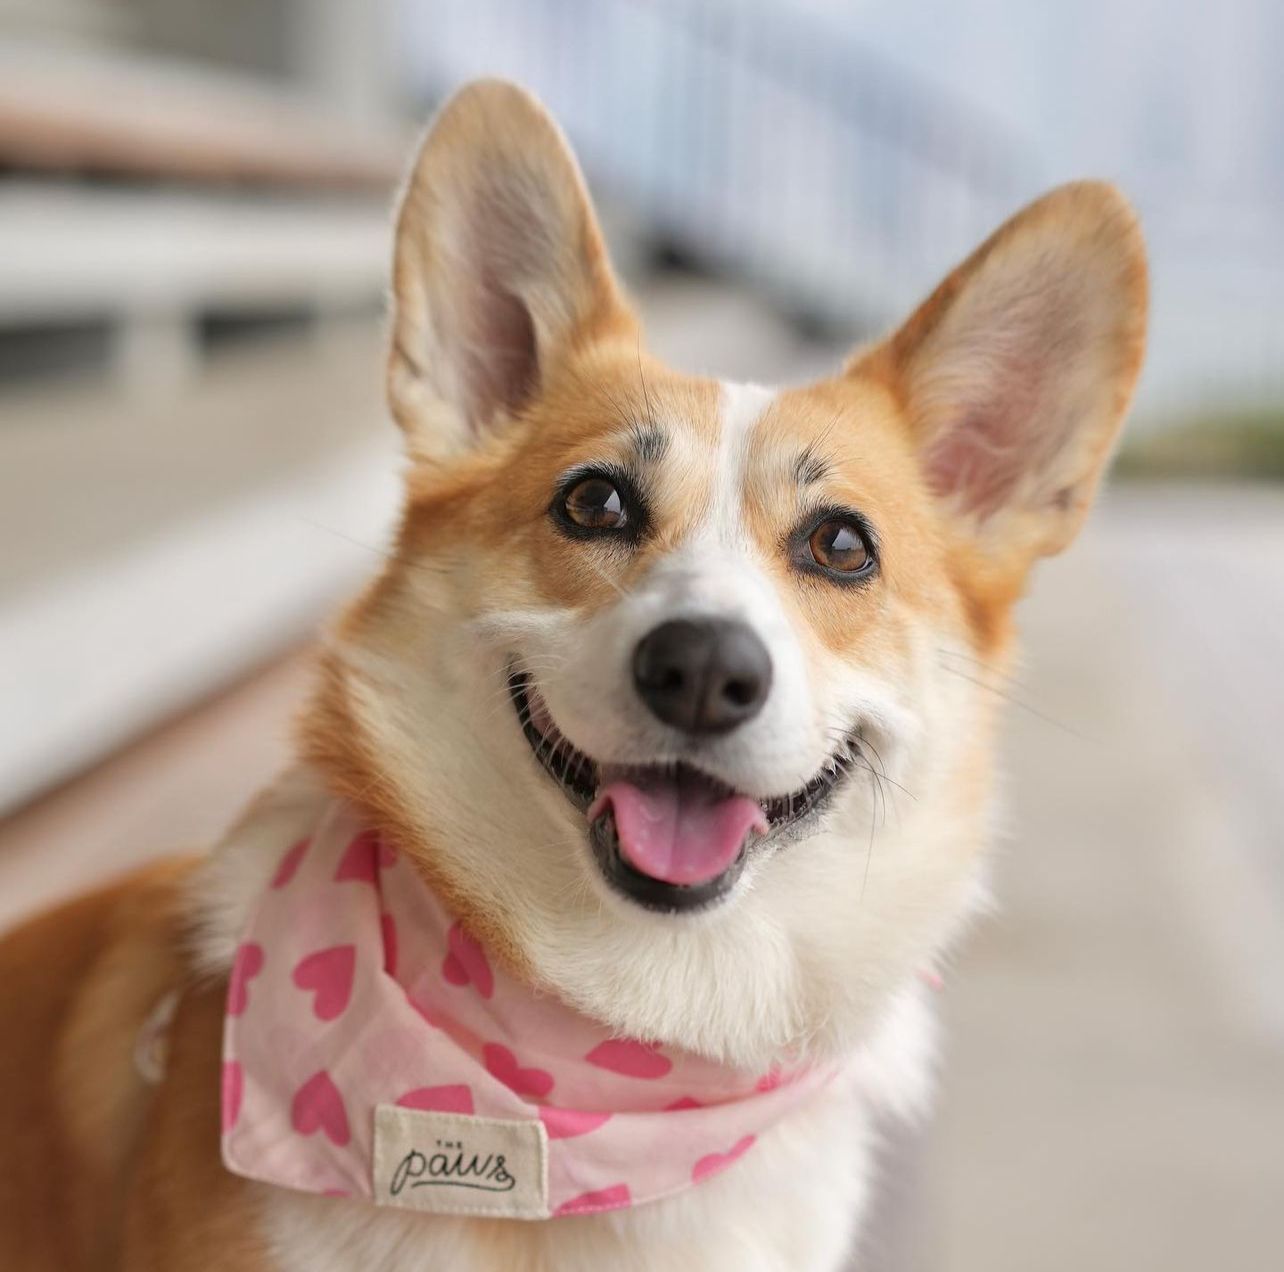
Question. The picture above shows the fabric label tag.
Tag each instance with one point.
(452, 1163)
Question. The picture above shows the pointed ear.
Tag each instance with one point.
(500, 269)
(1017, 371)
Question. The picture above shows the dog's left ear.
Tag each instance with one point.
(500, 270)
(1016, 372)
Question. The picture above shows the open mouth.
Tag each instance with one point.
(669, 836)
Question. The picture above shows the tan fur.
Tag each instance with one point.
(78, 984)
(972, 440)
(185, 1213)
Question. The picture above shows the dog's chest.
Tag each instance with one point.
(794, 1205)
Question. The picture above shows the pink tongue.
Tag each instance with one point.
(677, 830)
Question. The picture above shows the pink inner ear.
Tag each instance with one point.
(501, 365)
(1002, 431)
(977, 464)
(505, 242)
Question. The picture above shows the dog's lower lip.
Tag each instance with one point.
(644, 889)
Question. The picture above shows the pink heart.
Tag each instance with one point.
(247, 964)
(439, 1099)
(502, 1064)
(318, 1106)
(388, 929)
(769, 1080)
(290, 863)
(715, 1162)
(566, 1123)
(233, 1087)
(603, 1199)
(466, 963)
(631, 1058)
(328, 975)
(364, 857)
(686, 1102)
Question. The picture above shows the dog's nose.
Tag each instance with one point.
(702, 676)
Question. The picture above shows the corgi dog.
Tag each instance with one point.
(636, 800)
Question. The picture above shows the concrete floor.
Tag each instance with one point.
(1113, 1083)
(1112, 1091)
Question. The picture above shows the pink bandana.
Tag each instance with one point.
(372, 1049)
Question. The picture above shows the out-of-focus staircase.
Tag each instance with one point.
(192, 268)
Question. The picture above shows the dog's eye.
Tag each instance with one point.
(839, 546)
(595, 504)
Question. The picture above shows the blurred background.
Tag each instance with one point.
(195, 464)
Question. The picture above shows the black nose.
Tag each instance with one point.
(703, 676)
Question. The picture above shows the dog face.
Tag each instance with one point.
(676, 688)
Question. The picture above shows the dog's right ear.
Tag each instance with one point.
(500, 270)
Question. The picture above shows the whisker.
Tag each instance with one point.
(437, 568)
(501, 692)
(982, 665)
(646, 397)
(867, 745)
(839, 736)
(588, 560)
(869, 851)
(1016, 702)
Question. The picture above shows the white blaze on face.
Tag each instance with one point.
(741, 408)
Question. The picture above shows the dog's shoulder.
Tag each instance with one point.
(185, 1212)
(81, 980)
(109, 1078)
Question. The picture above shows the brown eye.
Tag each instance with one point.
(839, 546)
(595, 504)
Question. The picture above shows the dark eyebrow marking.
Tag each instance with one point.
(650, 442)
(810, 468)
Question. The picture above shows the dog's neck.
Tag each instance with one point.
(223, 895)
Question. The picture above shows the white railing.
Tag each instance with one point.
(765, 142)
(769, 141)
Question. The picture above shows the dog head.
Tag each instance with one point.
(676, 687)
